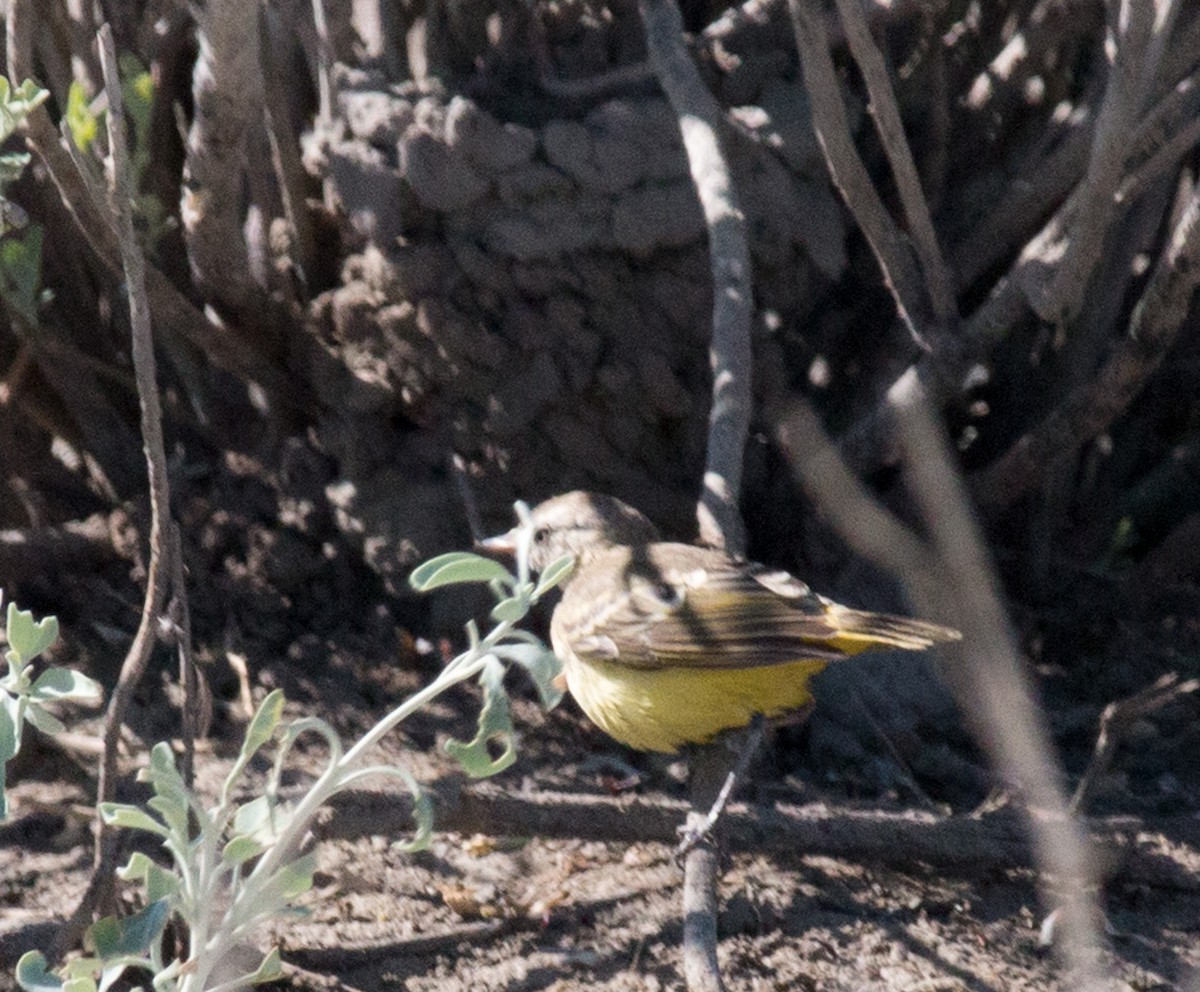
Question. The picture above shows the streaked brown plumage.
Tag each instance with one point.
(665, 644)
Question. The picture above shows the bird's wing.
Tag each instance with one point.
(684, 607)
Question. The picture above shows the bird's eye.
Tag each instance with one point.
(540, 535)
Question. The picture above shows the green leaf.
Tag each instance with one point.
(456, 567)
(262, 727)
(495, 727)
(32, 975)
(170, 799)
(270, 970)
(134, 934)
(64, 683)
(240, 850)
(553, 574)
(28, 637)
(79, 974)
(10, 726)
(131, 818)
(15, 104)
(251, 817)
(288, 883)
(82, 123)
(136, 868)
(261, 819)
(44, 720)
(512, 609)
(543, 667)
(160, 883)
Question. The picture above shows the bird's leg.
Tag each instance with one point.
(751, 739)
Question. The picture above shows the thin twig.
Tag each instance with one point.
(868, 528)
(462, 481)
(995, 689)
(901, 272)
(895, 145)
(1139, 48)
(158, 578)
(197, 701)
(1115, 722)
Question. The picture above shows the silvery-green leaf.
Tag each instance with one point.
(10, 726)
(288, 883)
(456, 567)
(511, 609)
(262, 727)
(132, 818)
(495, 727)
(270, 970)
(134, 934)
(543, 667)
(32, 975)
(63, 683)
(240, 850)
(44, 720)
(136, 868)
(553, 574)
(170, 799)
(28, 637)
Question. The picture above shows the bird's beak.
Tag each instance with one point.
(502, 544)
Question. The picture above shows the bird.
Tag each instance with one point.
(666, 645)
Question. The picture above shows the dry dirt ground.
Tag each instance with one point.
(528, 913)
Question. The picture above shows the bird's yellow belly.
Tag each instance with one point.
(660, 710)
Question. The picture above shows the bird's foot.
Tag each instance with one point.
(699, 830)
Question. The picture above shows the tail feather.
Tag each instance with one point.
(860, 630)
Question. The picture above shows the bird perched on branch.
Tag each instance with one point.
(667, 644)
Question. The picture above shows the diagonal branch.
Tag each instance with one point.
(1139, 46)
(1091, 408)
(892, 249)
(891, 132)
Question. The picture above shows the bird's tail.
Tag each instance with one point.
(860, 630)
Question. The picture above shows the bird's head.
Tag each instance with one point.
(577, 523)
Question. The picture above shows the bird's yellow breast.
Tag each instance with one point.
(663, 709)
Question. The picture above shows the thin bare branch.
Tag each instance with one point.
(1139, 46)
(998, 695)
(729, 354)
(120, 189)
(901, 272)
(1090, 409)
(886, 112)
(1115, 722)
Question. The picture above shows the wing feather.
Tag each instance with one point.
(684, 607)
